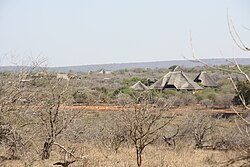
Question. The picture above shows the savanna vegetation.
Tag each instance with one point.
(47, 121)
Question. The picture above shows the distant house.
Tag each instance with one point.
(205, 79)
(40, 74)
(90, 72)
(175, 80)
(62, 76)
(73, 76)
(139, 86)
(102, 71)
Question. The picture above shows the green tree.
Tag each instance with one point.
(243, 95)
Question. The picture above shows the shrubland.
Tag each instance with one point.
(151, 128)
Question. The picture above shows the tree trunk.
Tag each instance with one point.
(47, 149)
(138, 157)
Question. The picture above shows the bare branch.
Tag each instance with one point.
(235, 36)
(68, 152)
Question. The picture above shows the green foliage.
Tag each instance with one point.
(198, 97)
(196, 69)
(102, 90)
(212, 96)
(169, 92)
(6, 74)
(80, 95)
(124, 90)
(161, 70)
(105, 95)
(207, 93)
(154, 93)
(131, 80)
(147, 82)
(225, 86)
(244, 91)
(139, 70)
(245, 68)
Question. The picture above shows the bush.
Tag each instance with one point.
(212, 96)
(198, 97)
(244, 91)
(189, 99)
(124, 89)
(85, 96)
(206, 102)
(169, 92)
(182, 99)
(124, 99)
(131, 80)
(199, 127)
(224, 100)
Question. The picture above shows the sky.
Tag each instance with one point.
(80, 32)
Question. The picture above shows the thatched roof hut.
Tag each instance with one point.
(205, 79)
(102, 71)
(139, 86)
(175, 80)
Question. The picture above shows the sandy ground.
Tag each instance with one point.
(195, 108)
(96, 107)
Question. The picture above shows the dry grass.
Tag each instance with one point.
(154, 156)
(99, 155)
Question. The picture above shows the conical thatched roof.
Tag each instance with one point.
(139, 86)
(205, 79)
(103, 71)
(176, 80)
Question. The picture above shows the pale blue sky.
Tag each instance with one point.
(77, 32)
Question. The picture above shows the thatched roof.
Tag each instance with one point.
(176, 80)
(205, 79)
(102, 71)
(139, 86)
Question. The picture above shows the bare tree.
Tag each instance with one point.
(16, 94)
(200, 127)
(53, 117)
(144, 124)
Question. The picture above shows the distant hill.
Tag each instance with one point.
(156, 64)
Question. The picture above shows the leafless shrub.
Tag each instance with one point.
(124, 99)
(162, 102)
(10, 139)
(227, 138)
(112, 133)
(206, 102)
(170, 140)
(240, 143)
(182, 99)
(144, 123)
(200, 127)
(188, 100)
(224, 100)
